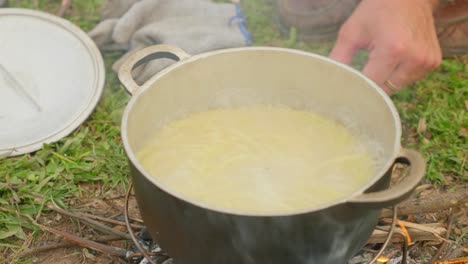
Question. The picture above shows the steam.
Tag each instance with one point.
(326, 237)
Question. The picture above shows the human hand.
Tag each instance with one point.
(401, 39)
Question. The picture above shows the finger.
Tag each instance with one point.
(418, 64)
(405, 74)
(415, 68)
(381, 65)
(342, 52)
(436, 51)
(345, 47)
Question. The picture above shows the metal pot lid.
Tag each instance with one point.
(51, 78)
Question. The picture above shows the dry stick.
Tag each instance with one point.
(64, 7)
(87, 243)
(447, 236)
(108, 220)
(436, 231)
(64, 244)
(417, 232)
(431, 204)
(95, 224)
(379, 236)
(121, 209)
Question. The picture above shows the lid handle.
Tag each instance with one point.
(144, 56)
(18, 88)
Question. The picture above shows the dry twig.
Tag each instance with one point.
(108, 220)
(63, 244)
(87, 243)
(95, 224)
(64, 7)
(378, 236)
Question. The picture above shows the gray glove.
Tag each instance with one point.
(3, 3)
(116, 8)
(196, 26)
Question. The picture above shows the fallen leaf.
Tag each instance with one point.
(425, 141)
(19, 233)
(424, 187)
(449, 179)
(6, 234)
(88, 255)
(422, 126)
(120, 228)
(463, 132)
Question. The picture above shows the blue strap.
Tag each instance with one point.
(240, 19)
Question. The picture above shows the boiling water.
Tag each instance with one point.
(258, 159)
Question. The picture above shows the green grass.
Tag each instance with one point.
(440, 99)
(94, 154)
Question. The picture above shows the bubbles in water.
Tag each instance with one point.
(258, 159)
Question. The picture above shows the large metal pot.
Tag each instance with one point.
(192, 232)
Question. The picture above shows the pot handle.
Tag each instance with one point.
(144, 56)
(401, 190)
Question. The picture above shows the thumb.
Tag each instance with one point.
(344, 49)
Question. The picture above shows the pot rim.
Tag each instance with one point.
(378, 175)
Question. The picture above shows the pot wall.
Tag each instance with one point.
(252, 76)
(191, 234)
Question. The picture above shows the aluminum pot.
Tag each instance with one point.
(192, 232)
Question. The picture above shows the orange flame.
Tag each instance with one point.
(383, 259)
(453, 261)
(405, 232)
